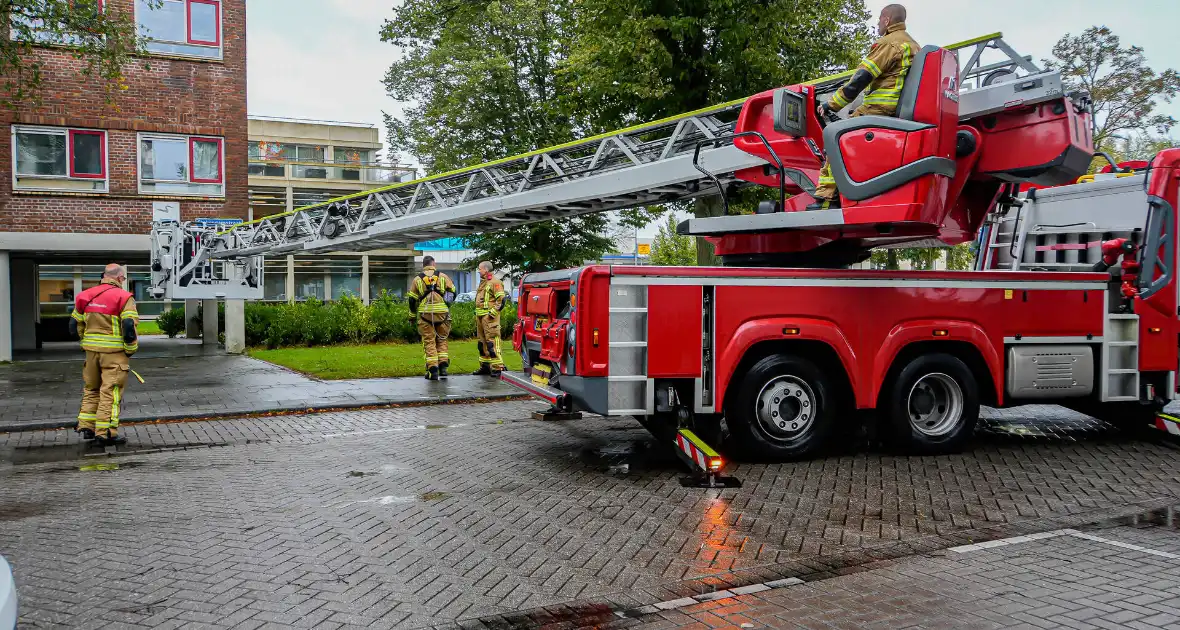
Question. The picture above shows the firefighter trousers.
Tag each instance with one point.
(434, 341)
(826, 188)
(487, 328)
(104, 377)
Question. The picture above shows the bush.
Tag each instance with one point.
(348, 320)
(171, 321)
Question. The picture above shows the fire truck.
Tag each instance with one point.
(1072, 299)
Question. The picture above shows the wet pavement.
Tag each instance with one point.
(436, 515)
(184, 379)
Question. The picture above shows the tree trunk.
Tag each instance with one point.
(704, 207)
(891, 259)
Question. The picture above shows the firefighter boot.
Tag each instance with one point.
(824, 204)
(102, 440)
(87, 434)
(494, 372)
(432, 373)
(442, 370)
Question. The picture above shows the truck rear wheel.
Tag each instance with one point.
(781, 410)
(933, 404)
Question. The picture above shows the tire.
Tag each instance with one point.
(782, 410)
(932, 405)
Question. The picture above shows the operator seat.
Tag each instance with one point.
(873, 155)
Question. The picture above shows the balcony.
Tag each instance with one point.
(365, 173)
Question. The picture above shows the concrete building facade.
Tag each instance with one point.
(82, 175)
(296, 162)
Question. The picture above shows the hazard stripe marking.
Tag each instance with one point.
(715, 596)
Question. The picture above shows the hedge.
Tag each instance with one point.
(348, 320)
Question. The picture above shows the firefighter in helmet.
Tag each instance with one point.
(106, 321)
(489, 299)
(883, 72)
(430, 298)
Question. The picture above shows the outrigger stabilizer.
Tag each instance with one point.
(704, 463)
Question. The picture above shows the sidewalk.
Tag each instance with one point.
(185, 380)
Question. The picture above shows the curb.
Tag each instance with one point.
(280, 410)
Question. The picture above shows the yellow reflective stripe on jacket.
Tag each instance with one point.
(871, 67)
(131, 348)
(891, 95)
(839, 100)
(126, 314)
(77, 316)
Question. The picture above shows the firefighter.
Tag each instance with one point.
(106, 321)
(489, 299)
(883, 72)
(431, 295)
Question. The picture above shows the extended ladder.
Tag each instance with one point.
(642, 165)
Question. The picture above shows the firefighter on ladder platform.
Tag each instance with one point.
(489, 299)
(883, 72)
(105, 319)
(430, 298)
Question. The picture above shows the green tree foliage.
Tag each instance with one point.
(637, 60)
(481, 77)
(671, 248)
(103, 40)
(1125, 90)
(958, 258)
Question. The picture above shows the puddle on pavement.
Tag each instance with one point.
(623, 458)
(24, 455)
(1164, 517)
(433, 495)
(1044, 430)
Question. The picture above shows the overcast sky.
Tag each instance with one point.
(324, 59)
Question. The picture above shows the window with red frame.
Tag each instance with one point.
(190, 28)
(181, 165)
(58, 158)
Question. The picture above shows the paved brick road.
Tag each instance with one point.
(413, 517)
(1116, 578)
(183, 379)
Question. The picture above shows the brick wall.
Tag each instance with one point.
(168, 95)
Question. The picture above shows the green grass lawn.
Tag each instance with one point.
(149, 328)
(377, 360)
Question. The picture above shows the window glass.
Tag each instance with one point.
(204, 22)
(165, 159)
(87, 156)
(163, 23)
(206, 160)
(41, 154)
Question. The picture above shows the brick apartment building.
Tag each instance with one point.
(83, 176)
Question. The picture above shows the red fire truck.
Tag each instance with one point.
(1072, 299)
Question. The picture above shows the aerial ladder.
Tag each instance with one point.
(701, 153)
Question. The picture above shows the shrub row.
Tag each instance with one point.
(347, 320)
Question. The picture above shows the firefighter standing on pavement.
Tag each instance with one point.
(105, 319)
(489, 299)
(883, 72)
(431, 295)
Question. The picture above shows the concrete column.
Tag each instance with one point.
(26, 311)
(290, 278)
(365, 279)
(77, 280)
(209, 322)
(235, 326)
(327, 285)
(5, 309)
(191, 329)
(290, 195)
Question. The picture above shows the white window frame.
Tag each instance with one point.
(57, 44)
(188, 143)
(188, 8)
(67, 132)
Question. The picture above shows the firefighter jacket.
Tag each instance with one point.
(106, 319)
(489, 297)
(431, 294)
(883, 72)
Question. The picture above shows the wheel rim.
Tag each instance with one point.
(935, 405)
(785, 408)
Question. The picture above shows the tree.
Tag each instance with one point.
(104, 40)
(481, 76)
(959, 257)
(671, 248)
(1124, 89)
(637, 60)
